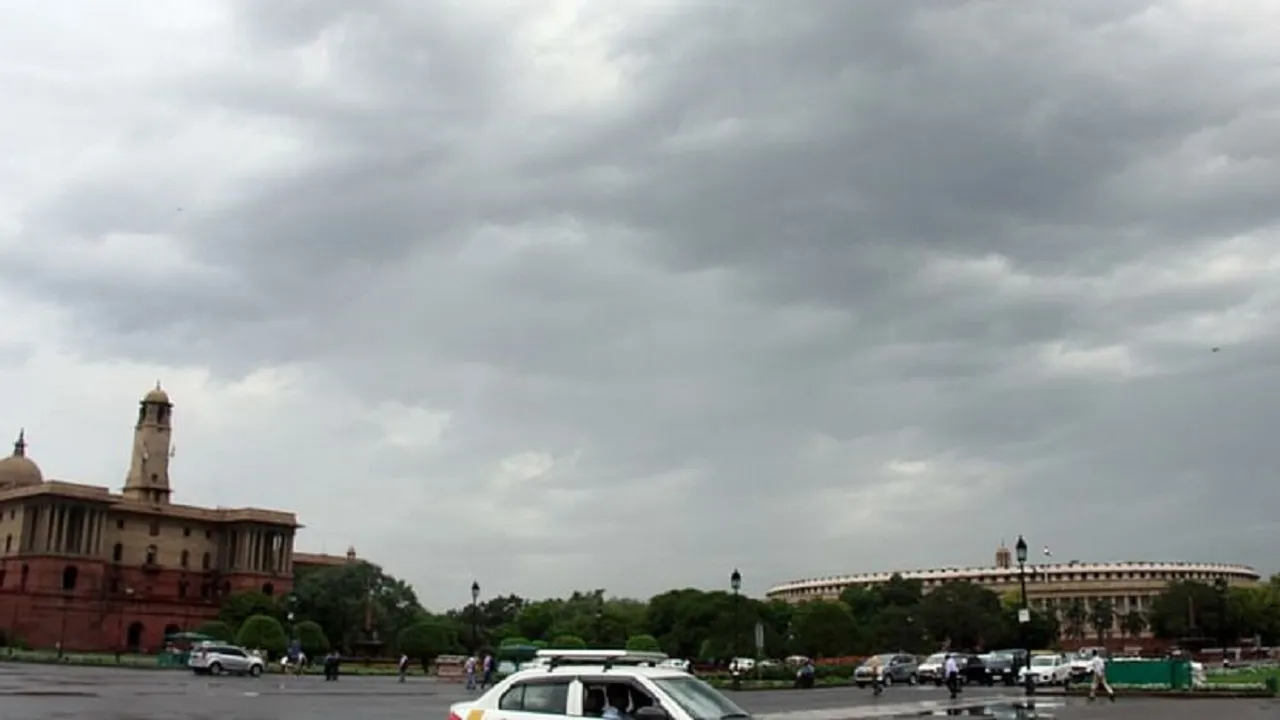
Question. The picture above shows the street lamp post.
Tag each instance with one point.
(735, 582)
(475, 615)
(128, 593)
(1220, 585)
(1024, 614)
(62, 630)
(292, 602)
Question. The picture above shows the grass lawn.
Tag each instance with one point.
(1247, 676)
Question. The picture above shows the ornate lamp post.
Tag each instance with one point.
(735, 582)
(292, 603)
(475, 615)
(1024, 613)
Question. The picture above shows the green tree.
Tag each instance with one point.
(341, 598)
(428, 639)
(823, 629)
(265, 632)
(312, 638)
(238, 607)
(643, 643)
(1102, 617)
(1133, 623)
(568, 642)
(514, 640)
(1075, 617)
(963, 614)
(217, 630)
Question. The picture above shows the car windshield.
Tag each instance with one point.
(936, 658)
(698, 699)
(1043, 661)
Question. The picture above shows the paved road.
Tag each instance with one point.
(43, 692)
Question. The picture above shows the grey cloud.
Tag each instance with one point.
(721, 301)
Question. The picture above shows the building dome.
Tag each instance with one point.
(157, 395)
(18, 470)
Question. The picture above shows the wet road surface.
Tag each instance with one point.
(45, 692)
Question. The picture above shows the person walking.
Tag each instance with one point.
(951, 671)
(487, 668)
(403, 666)
(876, 666)
(1098, 667)
(470, 669)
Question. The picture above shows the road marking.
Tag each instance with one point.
(918, 707)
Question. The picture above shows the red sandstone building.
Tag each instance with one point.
(95, 570)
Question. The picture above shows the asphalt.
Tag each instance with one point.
(45, 692)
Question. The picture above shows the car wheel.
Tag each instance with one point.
(215, 668)
(255, 670)
(912, 679)
(888, 680)
(862, 686)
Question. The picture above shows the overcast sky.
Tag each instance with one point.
(562, 295)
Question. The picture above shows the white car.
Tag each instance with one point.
(675, 664)
(1082, 663)
(214, 659)
(578, 683)
(1047, 670)
(931, 669)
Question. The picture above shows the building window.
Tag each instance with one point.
(151, 554)
(268, 589)
(2, 574)
(208, 534)
(114, 586)
(206, 561)
(186, 532)
(69, 577)
(120, 524)
(155, 528)
(186, 557)
(8, 543)
(182, 589)
(117, 553)
(22, 579)
(204, 590)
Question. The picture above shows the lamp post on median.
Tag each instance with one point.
(292, 603)
(475, 616)
(1024, 613)
(735, 582)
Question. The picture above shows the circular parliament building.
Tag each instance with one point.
(1130, 586)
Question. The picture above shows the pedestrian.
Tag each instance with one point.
(404, 666)
(470, 669)
(1098, 667)
(951, 671)
(487, 668)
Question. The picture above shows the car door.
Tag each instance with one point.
(235, 660)
(537, 698)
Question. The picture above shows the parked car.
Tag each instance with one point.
(894, 667)
(210, 659)
(1080, 662)
(1002, 666)
(1051, 669)
(973, 671)
(931, 669)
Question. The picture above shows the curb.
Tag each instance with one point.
(1172, 694)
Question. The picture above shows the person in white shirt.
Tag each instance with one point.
(470, 669)
(951, 671)
(1098, 667)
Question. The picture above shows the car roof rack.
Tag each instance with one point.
(607, 658)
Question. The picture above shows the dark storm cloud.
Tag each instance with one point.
(786, 251)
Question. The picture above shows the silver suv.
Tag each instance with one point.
(212, 659)
(894, 668)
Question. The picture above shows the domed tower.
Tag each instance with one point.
(1004, 558)
(148, 479)
(18, 470)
